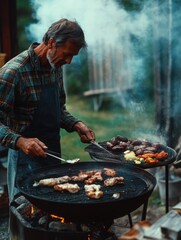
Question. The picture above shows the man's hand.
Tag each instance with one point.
(85, 133)
(32, 146)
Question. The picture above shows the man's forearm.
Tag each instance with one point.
(8, 138)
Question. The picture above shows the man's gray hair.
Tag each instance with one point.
(64, 30)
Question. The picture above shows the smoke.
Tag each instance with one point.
(105, 22)
(124, 38)
(102, 19)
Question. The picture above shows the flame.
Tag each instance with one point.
(62, 220)
(32, 212)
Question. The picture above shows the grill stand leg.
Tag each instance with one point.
(166, 189)
(130, 220)
(166, 195)
(144, 210)
(143, 217)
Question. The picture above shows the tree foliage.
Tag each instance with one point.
(24, 17)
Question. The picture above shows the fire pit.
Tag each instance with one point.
(28, 222)
(83, 218)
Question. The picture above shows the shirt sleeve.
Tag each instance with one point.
(8, 138)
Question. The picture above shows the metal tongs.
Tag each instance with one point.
(54, 154)
(98, 145)
(104, 149)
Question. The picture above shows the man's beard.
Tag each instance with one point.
(50, 61)
(53, 65)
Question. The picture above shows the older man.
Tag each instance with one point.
(32, 99)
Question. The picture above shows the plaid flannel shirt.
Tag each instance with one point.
(21, 80)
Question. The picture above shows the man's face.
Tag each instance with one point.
(58, 56)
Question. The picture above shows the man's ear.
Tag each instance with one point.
(51, 43)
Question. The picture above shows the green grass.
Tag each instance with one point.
(111, 120)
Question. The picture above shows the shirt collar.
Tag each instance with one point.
(35, 61)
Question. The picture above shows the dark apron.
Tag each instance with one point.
(46, 121)
(46, 127)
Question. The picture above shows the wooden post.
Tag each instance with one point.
(8, 41)
(167, 71)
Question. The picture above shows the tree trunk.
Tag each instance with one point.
(167, 72)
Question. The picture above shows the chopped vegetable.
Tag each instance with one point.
(130, 156)
(151, 160)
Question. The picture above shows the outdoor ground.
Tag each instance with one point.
(4, 228)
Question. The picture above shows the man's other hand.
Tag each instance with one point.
(32, 146)
(85, 133)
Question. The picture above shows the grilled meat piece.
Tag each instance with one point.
(151, 149)
(113, 181)
(118, 147)
(118, 140)
(89, 173)
(83, 175)
(109, 145)
(96, 177)
(52, 181)
(80, 177)
(139, 151)
(121, 138)
(143, 150)
(96, 194)
(72, 188)
(109, 172)
(92, 187)
(93, 191)
(136, 142)
(139, 147)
